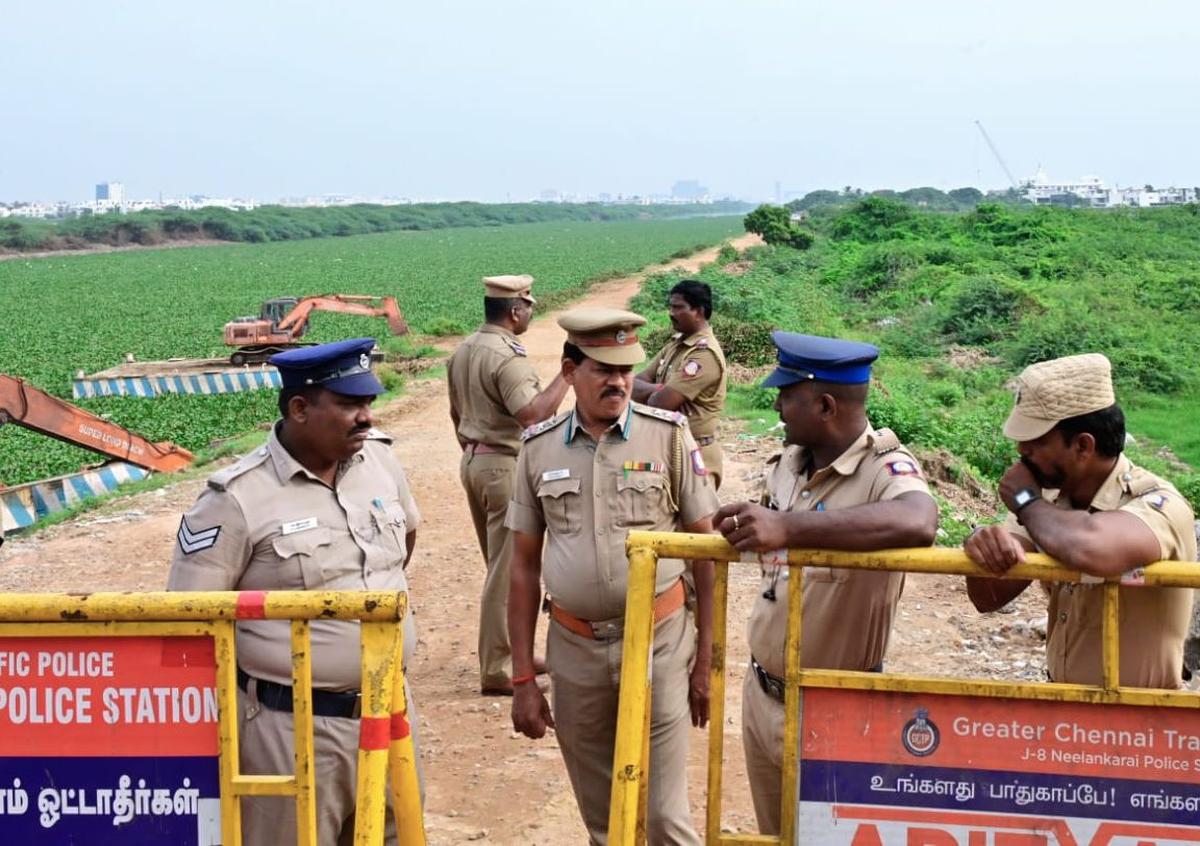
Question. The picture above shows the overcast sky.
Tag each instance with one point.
(497, 100)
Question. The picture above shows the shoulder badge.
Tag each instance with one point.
(1156, 500)
(545, 426)
(691, 368)
(884, 441)
(661, 413)
(379, 435)
(516, 346)
(903, 467)
(221, 479)
(196, 540)
(702, 344)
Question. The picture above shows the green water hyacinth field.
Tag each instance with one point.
(86, 312)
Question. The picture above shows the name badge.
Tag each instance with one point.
(553, 475)
(299, 526)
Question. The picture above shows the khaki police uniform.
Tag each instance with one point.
(1154, 621)
(695, 367)
(646, 473)
(268, 523)
(490, 380)
(847, 615)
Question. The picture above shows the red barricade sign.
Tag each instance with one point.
(108, 740)
(918, 769)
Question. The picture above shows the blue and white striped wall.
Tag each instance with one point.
(24, 505)
(195, 383)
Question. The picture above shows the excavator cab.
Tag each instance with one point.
(275, 310)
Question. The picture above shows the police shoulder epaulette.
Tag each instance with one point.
(221, 479)
(661, 413)
(884, 441)
(702, 343)
(379, 435)
(1138, 482)
(545, 426)
(516, 346)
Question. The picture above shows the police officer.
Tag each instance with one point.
(324, 505)
(494, 394)
(1075, 496)
(839, 484)
(584, 479)
(688, 374)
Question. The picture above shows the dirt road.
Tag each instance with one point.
(486, 784)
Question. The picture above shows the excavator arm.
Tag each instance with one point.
(345, 304)
(23, 404)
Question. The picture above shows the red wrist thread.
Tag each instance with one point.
(524, 679)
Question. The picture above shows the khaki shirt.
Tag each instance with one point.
(644, 473)
(847, 615)
(267, 523)
(1154, 621)
(491, 380)
(694, 366)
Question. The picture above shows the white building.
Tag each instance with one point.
(110, 192)
(1091, 191)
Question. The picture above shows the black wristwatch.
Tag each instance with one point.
(1025, 497)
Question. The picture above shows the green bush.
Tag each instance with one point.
(775, 225)
(980, 311)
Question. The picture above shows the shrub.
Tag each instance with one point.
(980, 310)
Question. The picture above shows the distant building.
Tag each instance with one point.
(689, 190)
(1090, 191)
(111, 192)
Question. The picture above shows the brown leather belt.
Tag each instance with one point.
(705, 440)
(665, 604)
(486, 449)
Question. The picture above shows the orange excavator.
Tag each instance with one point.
(26, 406)
(284, 320)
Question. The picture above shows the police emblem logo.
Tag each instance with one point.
(903, 468)
(364, 361)
(698, 464)
(691, 369)
(621, 336)
(920, 735)
(1156, 501)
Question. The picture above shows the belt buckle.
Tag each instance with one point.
(606, 630)
(356, 711)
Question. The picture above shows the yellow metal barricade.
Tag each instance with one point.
(384, 724)
(627, 813)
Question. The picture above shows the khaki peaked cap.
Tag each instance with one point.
(607, 335)
(1055, 390)
(508, 287)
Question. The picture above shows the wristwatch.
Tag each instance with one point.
(1024, 497)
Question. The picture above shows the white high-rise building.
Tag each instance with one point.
(111, 192)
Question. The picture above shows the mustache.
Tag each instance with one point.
(612, 392)
(359, 430)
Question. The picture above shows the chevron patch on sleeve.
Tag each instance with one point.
(190, 541)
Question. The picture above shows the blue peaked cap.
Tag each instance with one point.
(343, 367)
(805, 357)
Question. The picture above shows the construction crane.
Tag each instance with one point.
(999, 158)
(31, 408)
(283, 321)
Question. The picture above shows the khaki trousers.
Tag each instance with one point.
(266, 747)
(762, 740)
(586, 676)
(488, 481)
